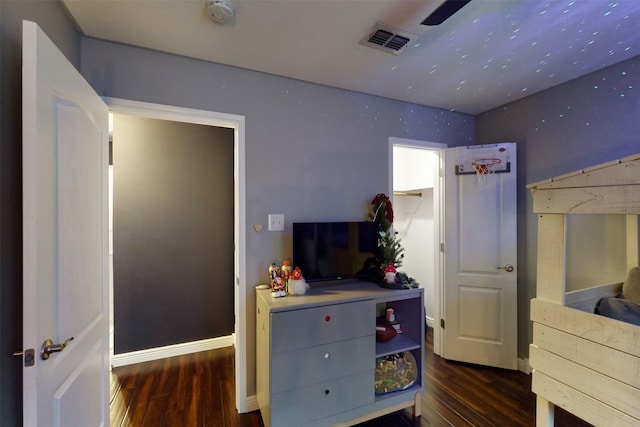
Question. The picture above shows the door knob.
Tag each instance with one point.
(507, 267)
(49, 347)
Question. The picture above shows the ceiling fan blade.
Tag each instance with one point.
(444, 12)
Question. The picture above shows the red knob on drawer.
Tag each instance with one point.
(327, 318)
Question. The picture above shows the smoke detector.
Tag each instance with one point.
(220, 11)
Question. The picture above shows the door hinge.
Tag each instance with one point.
(442, 247)
(442, 323)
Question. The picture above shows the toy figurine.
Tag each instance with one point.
(273, 272)
(390, 274)
(297, 284)
(285, 271)
(277, 287)
(297, 274)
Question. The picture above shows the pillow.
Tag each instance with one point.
(620, 309)
(631, 285)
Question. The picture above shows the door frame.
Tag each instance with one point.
(438, 289)
(236, 122)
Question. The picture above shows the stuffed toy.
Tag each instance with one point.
(631, 285)
(626, 307)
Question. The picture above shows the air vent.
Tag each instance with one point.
(389, 39)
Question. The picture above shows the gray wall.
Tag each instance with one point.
(312, 152)
(52, 18)
(575, 125)
(173, 232)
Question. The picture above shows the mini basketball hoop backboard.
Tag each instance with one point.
(483, 161)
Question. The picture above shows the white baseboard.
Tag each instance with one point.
(430, 322)
(524, 366)
(252, 403)
(147, 355)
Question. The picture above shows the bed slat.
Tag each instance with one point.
(622, 336)
(617, 172)
(622, 366)
(599, 386)
(589, 409)
(618, 199)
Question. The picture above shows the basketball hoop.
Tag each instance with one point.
(484, 167)
(483, 161)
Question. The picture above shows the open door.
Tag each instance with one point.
(65, 161)
(480, 285)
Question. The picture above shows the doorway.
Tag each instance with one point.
(417, 198)
(207, 118)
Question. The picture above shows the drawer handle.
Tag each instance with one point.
(326, 392)
(327, 318)
(327, 355)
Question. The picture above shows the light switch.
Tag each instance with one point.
(276, 222)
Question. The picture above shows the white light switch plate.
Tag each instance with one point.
(276, 222)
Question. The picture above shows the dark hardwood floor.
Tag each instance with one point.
(191, 390)
(198, 390)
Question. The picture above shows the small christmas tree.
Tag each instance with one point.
(390, 251)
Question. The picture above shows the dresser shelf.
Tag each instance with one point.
(397, 345)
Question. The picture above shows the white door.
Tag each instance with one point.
(480, 285)
(65, 149)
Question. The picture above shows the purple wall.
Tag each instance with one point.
(584, 122)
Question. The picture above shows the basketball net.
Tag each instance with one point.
(485, 167)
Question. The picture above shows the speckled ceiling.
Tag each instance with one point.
(489, 53)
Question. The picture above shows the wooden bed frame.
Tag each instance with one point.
(585, 363)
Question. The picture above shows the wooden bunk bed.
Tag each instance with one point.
(583, 362)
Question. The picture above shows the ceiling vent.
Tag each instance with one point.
(385, 37)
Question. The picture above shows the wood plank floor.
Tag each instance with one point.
(191, 390)
(198, 390)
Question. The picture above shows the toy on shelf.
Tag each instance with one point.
(285, 272)
(395, 372)
(390, 274)
(385, 332)
(277, 286)
(297, 284)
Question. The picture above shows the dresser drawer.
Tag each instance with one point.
(306, 404)
(312, 365)
(296, 329)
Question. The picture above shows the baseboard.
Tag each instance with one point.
(252, 403)
(524, 366)
(430, 322)
(156, 353)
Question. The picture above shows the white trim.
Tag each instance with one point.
(438, 194)
(405, 142)
(252, 403)
(430, 321)
(524, 366)
(170, 351)
(236, 122)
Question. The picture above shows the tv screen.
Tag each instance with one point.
(334, 250)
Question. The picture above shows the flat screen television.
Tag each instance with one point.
(334, 250)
